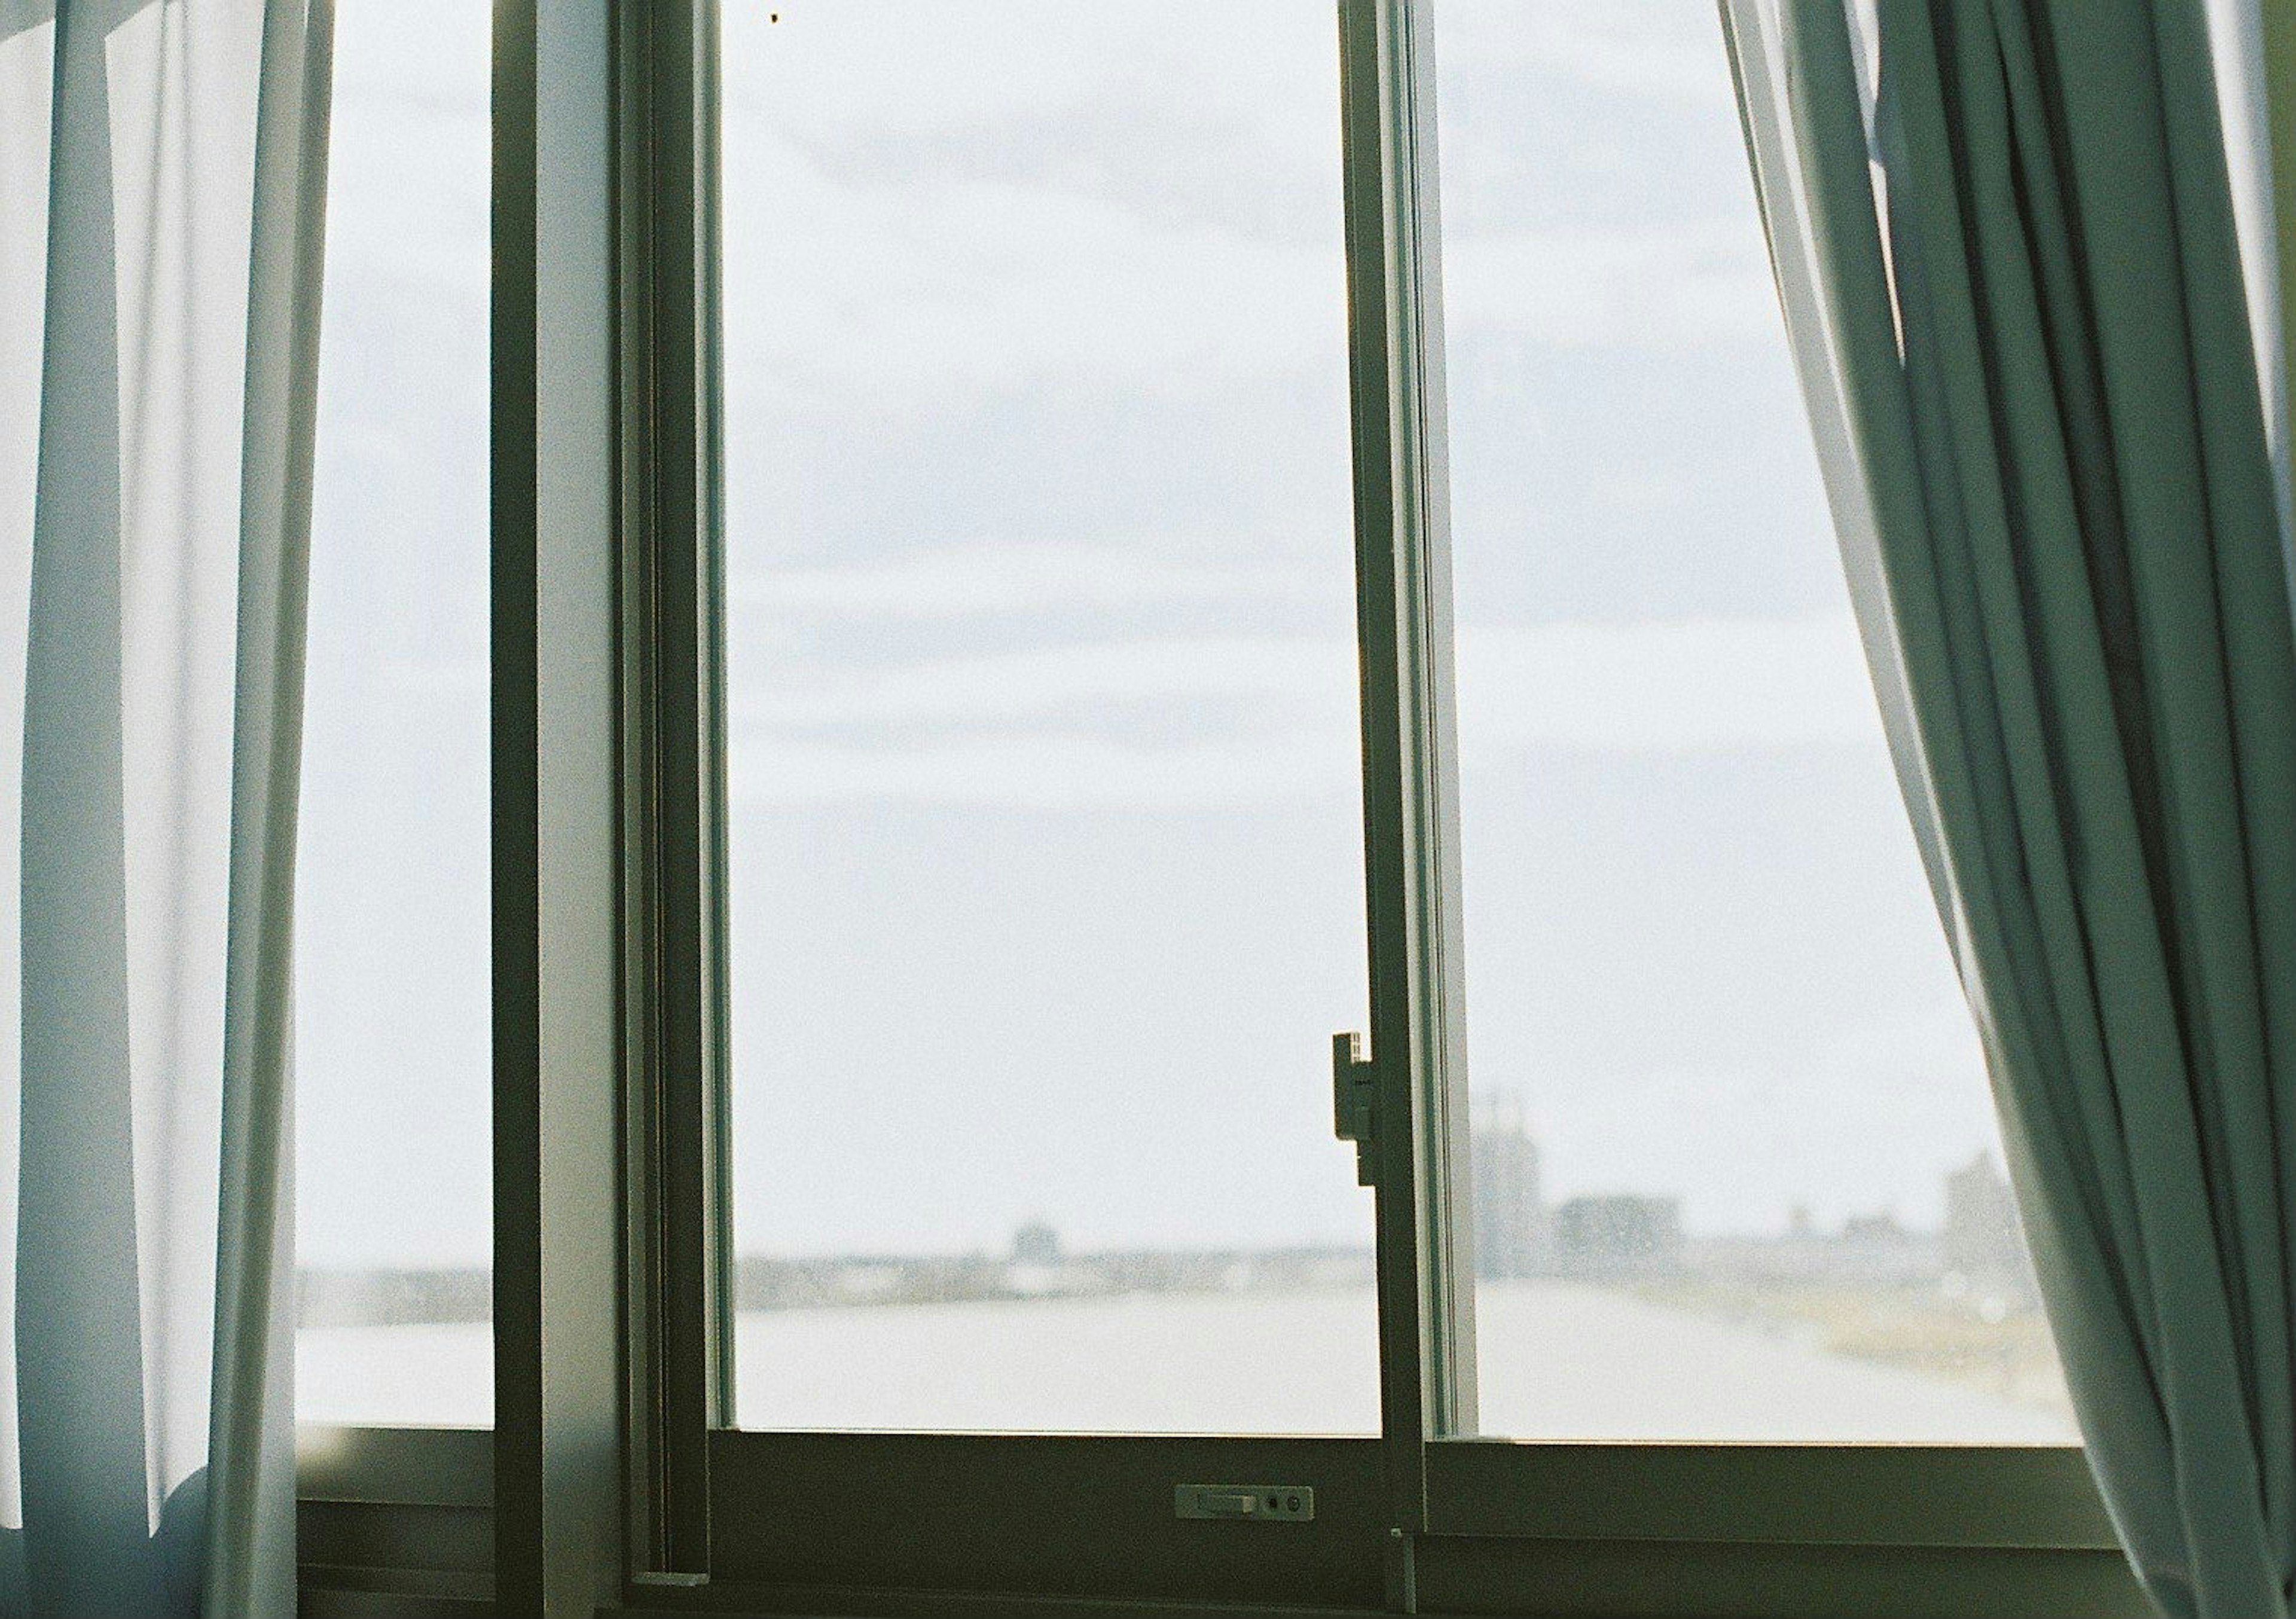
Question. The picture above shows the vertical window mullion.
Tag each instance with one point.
(514, 730)
(556, 813)
(672, 779)
(716, 1123)
(1410, 790)
(1423, 541)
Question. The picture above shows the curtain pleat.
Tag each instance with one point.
(2007, 246)
(250, 1530)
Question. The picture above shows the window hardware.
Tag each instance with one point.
(1354, 1093)
(1274, 1503)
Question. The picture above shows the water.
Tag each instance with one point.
(1580, 1362)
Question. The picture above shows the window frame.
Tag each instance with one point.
(673, 772)
(713, 1519)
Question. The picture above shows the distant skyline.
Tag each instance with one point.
(1046, 871)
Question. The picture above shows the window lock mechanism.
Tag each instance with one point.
(1266, 1503)
(1354, 1095)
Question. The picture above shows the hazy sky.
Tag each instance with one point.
(1047, 874)
(392, 1042)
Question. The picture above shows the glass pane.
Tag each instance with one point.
(1046, 866)
(1736, 1161)
(392, 963)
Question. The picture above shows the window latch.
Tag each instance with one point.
(1354, 1098)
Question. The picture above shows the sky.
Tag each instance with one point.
(392, 1045)
(1045, 859)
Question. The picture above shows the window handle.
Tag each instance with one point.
(1354, 1095)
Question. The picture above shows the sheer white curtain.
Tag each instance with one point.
(161, 172)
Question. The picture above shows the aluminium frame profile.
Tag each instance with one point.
(1411, 800)
(557, 1146)
(669, 543)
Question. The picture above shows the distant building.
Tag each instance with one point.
(1984, 1245)
(1606, 1236)
(1868, 1250)
(1510, 1235)
(1036, 1243)
(1874, 1250)
(1875, 1229)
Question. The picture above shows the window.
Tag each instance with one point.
(393, 1055)
(1043, 836)
(1038, 740)
(1736, 1175)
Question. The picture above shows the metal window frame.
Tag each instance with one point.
(524, 1518)
(396, 1520)
(560, 1217)
(1411, 796)
(680, 1377)
(686, 1515)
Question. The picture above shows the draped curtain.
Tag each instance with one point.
(2008, 249)
(161, 182)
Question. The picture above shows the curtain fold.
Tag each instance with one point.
(2005, 244)
(250, 1502)
(168, 156)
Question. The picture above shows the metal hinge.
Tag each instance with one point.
(1354, 1097)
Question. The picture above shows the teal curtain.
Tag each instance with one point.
(2005, 244)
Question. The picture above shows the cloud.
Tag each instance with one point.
(1269, 673)
(1043, 770)
(901, 231)
(1668, 686)
(901, 228)
(957, 581)
(1653, 50)
(845, 74)
(1671, 288)
(1251, 718)
(900, 298)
